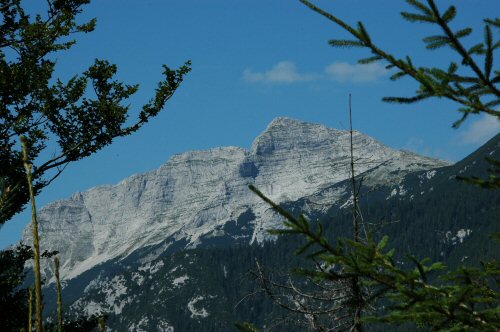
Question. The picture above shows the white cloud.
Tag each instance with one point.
(419, 146)
(282, 72)
(357, 73)
(481, 130)
(286, 72)
(415, 144)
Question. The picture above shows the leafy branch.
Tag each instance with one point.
(83, 115)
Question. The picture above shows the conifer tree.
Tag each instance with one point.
(14, 299)
(463, 300)
(320, 304)
(471, 81)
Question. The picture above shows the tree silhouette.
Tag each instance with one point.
(463, 300)
(80, 116)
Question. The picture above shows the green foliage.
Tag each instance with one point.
(428, 295)
(80, 116)
(13, 298)
(494, 176)
(466, 299)
(475, 94)
(80, 324)
(246, 327)
(220, 274)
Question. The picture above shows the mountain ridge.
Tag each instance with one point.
(428, 214)
(198, 194)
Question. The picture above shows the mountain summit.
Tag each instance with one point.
(201, 197)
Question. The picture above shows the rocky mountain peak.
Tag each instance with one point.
(199, 197)
(286, 134)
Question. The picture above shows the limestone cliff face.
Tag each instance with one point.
(194, 195)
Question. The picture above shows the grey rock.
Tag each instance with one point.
(195, 194)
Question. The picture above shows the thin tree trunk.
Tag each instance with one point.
(356, 289)
(59, 296)
(102, 324)
(30, 313)
(353, 179)
(36, 245)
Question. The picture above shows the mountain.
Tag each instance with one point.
(201, 197)
(170, 250)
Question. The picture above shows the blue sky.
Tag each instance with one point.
(254, 60)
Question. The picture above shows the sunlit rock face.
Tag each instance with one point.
(199, 196)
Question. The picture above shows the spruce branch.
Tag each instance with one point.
(467, 59)
(434, 83)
